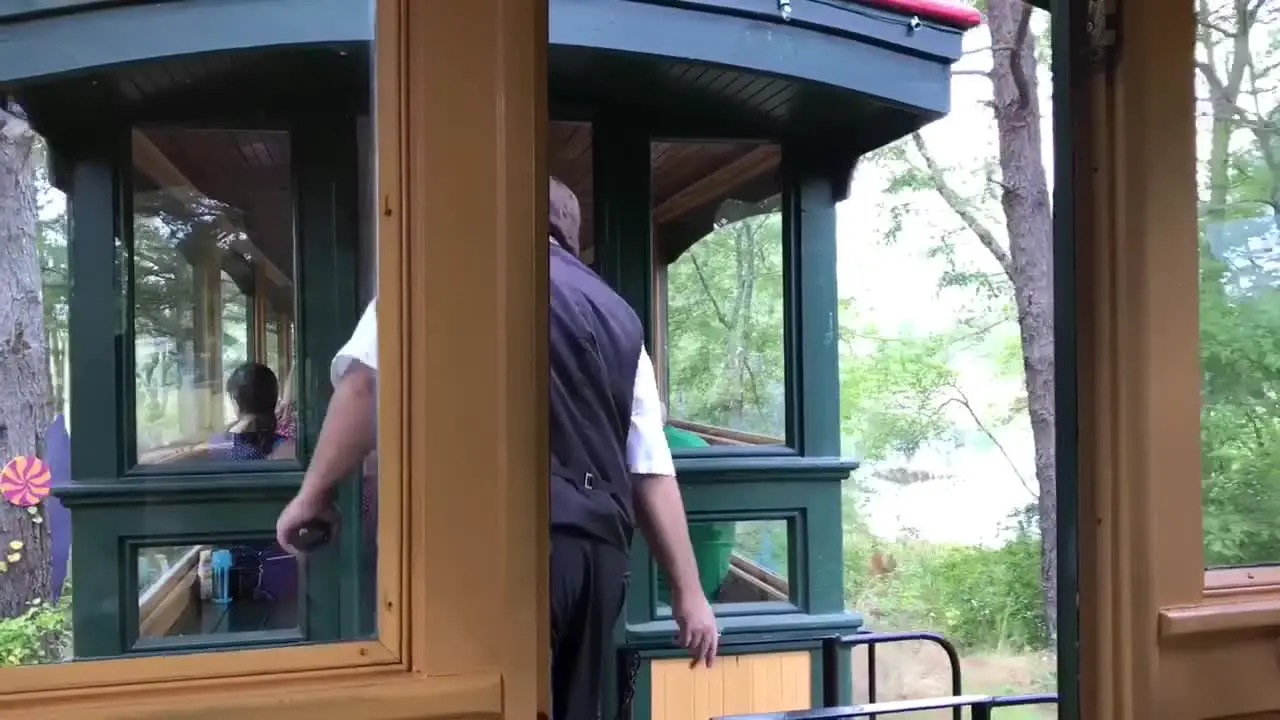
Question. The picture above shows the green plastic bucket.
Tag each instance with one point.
(712, 548)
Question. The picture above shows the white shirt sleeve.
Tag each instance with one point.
(362, 347)
(647, 450)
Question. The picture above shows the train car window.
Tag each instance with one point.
(720, 308)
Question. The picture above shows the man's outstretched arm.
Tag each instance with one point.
(348, 435)
(349, 432)
(660, 514)
(661, 517)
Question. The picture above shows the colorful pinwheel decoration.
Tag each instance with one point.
(25, 481)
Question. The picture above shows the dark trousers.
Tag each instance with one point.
(588, 587)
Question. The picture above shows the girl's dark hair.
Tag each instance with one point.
(255, 391)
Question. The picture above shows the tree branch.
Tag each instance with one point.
(963, 402)
(957, 205)
(724, 320)
(1204, 22)
(711, 297)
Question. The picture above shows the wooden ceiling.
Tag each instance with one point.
(250, 171)
(690, 180)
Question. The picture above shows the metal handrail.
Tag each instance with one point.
(1029, 699)
(980, 707)
(832, 646)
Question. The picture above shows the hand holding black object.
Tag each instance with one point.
(307, 522)
(312, 536)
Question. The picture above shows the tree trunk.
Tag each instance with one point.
(1029, 222)
(25, 408)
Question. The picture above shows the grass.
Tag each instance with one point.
(914, 670)
(985, 600)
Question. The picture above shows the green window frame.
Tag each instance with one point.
(109, 493)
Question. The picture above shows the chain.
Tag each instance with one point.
(628, 693)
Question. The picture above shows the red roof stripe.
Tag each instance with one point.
(943, 12)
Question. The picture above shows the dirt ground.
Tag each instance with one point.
(918, 670)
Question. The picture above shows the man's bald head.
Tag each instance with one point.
(565, 216)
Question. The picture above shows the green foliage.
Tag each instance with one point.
(725, 326)
(1240, 417)
(892, 393)
(1240, 290)
(42, 634)
(764, 542)
(901, 393)
(980, 598)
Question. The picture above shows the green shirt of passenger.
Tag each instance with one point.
(678, 438)
(712, 542)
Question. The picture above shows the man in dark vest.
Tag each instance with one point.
(611, 469)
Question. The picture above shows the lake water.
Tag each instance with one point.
(968, 497)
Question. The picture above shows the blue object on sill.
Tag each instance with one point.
(221, 562)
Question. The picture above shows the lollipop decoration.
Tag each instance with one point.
(25, 481)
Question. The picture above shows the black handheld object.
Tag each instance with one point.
(313, 535)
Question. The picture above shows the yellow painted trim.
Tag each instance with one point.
(23, 685)
(736, 684)
(395, 544)
(387, 696)
(1160, 636)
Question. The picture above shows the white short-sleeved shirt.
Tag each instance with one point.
(362, 347)
(647, 450)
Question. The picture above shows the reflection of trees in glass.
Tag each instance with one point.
(273, 339)
(725, 325)
(172, 238)
(154, 562)
(1240, 280)
(763, 542)
(51, 239)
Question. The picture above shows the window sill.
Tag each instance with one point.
(1214, 618)
(105, 677)
(378, 695)
(747, 468)
(1236, 581)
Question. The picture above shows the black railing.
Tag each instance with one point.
(980, 706)
(832, 646)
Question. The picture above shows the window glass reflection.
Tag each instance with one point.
(181, 345)
(738, 562)
(213, 293)
(1239, 283)
(208, 591)
(719, 292)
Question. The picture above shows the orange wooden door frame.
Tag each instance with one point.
(1160, 637)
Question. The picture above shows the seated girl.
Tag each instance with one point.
(254, 390)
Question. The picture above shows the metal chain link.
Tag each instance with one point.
(628, 693)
